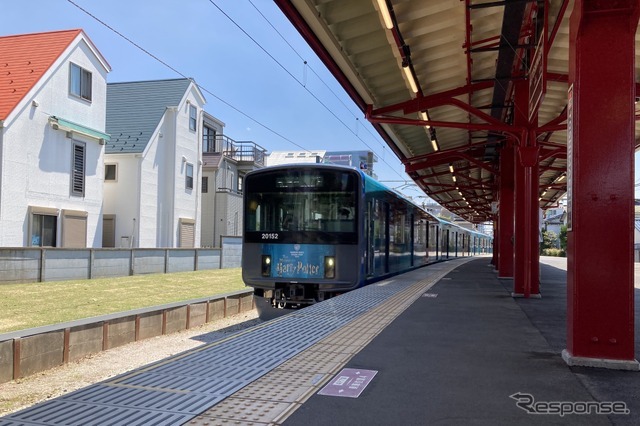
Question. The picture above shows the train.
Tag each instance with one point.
(314, 231)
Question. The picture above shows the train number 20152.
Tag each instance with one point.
(271, 236)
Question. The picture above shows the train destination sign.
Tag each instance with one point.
(349, 383)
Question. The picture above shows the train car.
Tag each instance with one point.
(313, 231)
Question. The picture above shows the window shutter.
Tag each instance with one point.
(187, 233)
(77, 174)
(74, 229)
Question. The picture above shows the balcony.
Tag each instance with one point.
(240, 151)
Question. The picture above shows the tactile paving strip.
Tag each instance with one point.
(300, 377)
(258, 376)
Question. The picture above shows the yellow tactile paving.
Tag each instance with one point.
(276, 395)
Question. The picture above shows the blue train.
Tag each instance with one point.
(313, 231)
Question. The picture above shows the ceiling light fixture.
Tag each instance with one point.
(407, 72)
(386, 16)
(425, 117)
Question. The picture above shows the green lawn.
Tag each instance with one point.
(37, 304)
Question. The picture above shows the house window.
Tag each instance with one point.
(109, 230)
(80, 82)
(240, 180)
(77, 169)
(187, 232)
(74, 229)
(193, 117)
(110, 172)
(189, 176)
(205, 184)
(208, 139)
(43, 230)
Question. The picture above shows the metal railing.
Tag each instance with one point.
(246, 151)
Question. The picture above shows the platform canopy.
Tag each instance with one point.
(436, 78)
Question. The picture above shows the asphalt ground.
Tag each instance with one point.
(471, 355)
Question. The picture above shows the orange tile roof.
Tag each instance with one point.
(23, 61)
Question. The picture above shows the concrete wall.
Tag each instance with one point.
(232, 247)
(28, 352)
(24, 265)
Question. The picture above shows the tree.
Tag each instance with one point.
(549, 239)
(563, 238)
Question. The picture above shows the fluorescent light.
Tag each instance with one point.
(424, 117)
(386, 16)
(450, 168)
(454, 178)
(412, 82)
(434, 144)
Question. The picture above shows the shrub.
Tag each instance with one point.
(553, 252)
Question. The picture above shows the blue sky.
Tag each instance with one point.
(252, 72)
(245, 55)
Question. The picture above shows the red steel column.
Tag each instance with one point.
(506, 213)
(526, 275)
(600, 155)
(494, 252)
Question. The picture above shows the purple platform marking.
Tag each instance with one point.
(350, 383)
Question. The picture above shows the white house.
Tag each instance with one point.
(52, 136)
(153, 164)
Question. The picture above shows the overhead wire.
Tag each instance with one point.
(183, 75)
(312, 70)
(295, 78)
(268, 128)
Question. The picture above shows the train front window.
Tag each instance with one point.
(301, 200)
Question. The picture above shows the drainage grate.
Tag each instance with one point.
(61, 412)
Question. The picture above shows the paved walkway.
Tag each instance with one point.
(446, 344)
(457, 359)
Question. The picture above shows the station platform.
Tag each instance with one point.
(444, 344)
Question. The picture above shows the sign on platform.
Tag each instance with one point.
(350, 383)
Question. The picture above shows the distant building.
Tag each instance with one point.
(554, 219)
(276, 158)
(363, 160)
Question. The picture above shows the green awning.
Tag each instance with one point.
(70, 126)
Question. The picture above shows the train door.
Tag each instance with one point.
(387, 234)
(412, 234)
(447, 243)
(455, 247)
(437, 242)
(427, 242)
(370, 248)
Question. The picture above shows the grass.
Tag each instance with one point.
(36, 304)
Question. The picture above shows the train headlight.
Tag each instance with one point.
(266, 265)
(329, 267)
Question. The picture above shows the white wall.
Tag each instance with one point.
(189, 146)
(121, 197)
(36, 160)
(152, 189)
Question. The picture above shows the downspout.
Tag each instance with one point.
(172, 217)
(135, 232)
(215, 205)
(198, 183)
